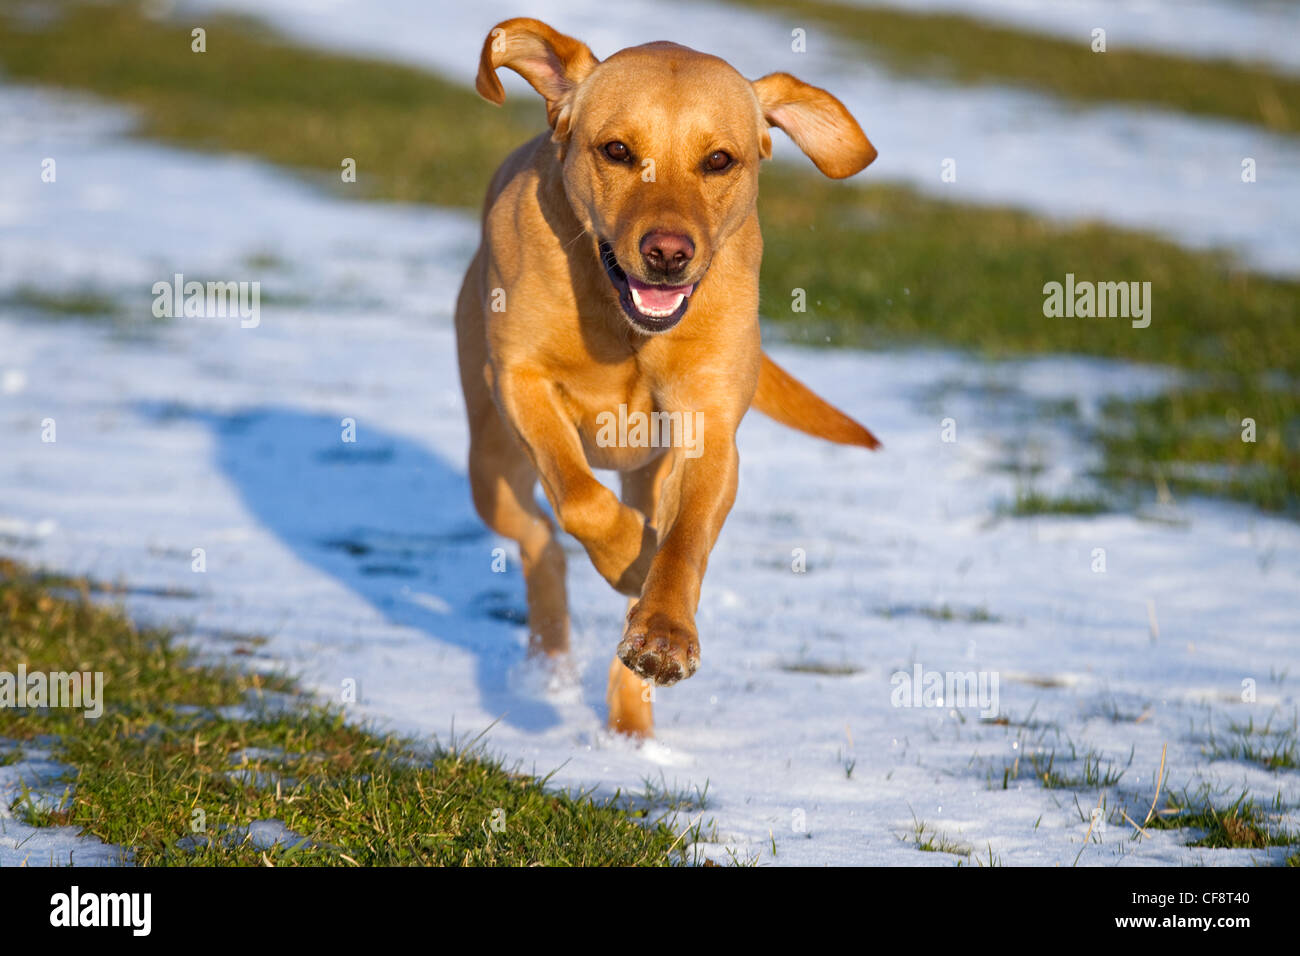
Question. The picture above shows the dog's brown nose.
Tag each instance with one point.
(667, 251)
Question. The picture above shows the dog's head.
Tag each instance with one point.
(661, 147)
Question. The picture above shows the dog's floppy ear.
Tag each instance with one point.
(817, 122)
(554, 64)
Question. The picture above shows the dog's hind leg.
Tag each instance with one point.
(629, 696)
(502, 478)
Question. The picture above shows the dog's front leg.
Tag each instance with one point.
(618, 540)
(660, 642)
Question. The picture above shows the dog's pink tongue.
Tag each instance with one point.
(659, 296)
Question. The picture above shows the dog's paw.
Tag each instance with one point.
(659, 648)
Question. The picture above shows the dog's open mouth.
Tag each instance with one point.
(651, 308)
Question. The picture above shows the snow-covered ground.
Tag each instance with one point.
(1254, 31)
(41, 783)
(1140, 168)
(366, 562)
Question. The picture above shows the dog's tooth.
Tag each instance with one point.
(655, 313)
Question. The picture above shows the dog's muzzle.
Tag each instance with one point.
(650, 308)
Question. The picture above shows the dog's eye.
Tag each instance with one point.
(718, 161)
(618, 152)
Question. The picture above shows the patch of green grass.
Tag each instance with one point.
(658, 796)
(1092, 775)
(1026, 723)
(79, 303)
(266, 262)
(1028, 503)
(969, 50)
(822, 668)
(1242, 824)
(181, 744)
(1197, 440)
(942, 612)
(1269, 748)
(929, 840)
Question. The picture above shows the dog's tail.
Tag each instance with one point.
(788, 401)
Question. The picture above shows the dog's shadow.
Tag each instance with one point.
(392, 522)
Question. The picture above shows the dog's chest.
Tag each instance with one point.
(620, 424)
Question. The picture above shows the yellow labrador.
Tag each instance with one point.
(609, 319)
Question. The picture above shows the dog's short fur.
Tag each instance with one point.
(618, 274)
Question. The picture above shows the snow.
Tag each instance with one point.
(260, 834)
(44, 781)
(365, 562)
(1136, 167)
